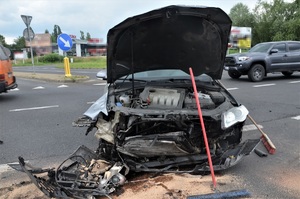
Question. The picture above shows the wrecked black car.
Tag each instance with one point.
(147, 119)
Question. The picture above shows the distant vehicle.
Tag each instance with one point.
(263, 58)
(7, 79)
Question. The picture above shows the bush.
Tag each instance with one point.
(51, 58)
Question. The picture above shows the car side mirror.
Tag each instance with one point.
(102, 74)
(274, 51)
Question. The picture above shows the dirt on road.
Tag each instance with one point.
(167, 186)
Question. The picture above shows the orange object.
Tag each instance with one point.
(264, 138)
(203, 129)
(7, 80)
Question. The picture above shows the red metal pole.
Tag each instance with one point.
(203, 129)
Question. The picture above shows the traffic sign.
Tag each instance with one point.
(64, 42)
(28, 34)
(27, 19)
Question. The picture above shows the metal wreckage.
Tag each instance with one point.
(147, 119)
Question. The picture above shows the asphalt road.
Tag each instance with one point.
(275, 104)
(36, 124)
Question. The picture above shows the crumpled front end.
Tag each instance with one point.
(86, 175)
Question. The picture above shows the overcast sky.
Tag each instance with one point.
(93, 16)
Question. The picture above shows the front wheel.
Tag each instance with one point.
(287, 73)
(234, 74)
(256, 73)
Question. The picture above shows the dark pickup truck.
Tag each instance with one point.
(263, 58)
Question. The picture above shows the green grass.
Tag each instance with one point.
(235, 50)
(86, 62)
(28, 62)
(78, 62)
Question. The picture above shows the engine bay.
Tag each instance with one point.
(168, 98)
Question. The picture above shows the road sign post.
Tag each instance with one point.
(65, 43)
(28, 35)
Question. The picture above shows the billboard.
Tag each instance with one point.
(240, 37)
(41, 44)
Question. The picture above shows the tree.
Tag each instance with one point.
(46, 31)
(241, 16)
(19, 43)
(88, 36)
(276, 20)
(56, 32)
(82, 35)
(2, 41)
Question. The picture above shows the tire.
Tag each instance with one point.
(287, 73)
(256, 73)
(234, 74)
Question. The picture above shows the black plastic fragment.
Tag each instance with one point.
(260, 153)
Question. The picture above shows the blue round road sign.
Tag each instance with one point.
(64, 42)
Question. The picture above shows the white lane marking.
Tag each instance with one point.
(294, 82)
(263, 85)
(100, 84)
(62, 86)
(33, 108)
(90, 102)
(251, 127)
(230, 89)
(38, 87)
(15, 89)
(7, 167)
(296, 118)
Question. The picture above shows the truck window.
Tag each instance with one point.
(294, 47)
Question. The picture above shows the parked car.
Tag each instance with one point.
(147, 118)
(263, 58)
(7, 79)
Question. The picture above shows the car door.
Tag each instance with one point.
(293, 56)
(278, 59)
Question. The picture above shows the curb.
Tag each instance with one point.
(51, 77)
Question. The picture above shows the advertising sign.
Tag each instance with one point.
(240, 37)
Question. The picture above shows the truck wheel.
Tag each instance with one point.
(287, 73)
(256, 73)
(234, 74)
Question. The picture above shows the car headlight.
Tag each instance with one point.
(243, 58)
(233, 116)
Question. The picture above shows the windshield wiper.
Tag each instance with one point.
(135, 80)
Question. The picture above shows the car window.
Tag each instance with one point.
(293, 47)
(262, 47)
(280, 47)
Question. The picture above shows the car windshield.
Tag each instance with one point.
(262, 48)
(166, 74)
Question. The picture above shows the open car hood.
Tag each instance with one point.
(173, 37)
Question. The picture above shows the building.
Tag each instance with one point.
(41, 45)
